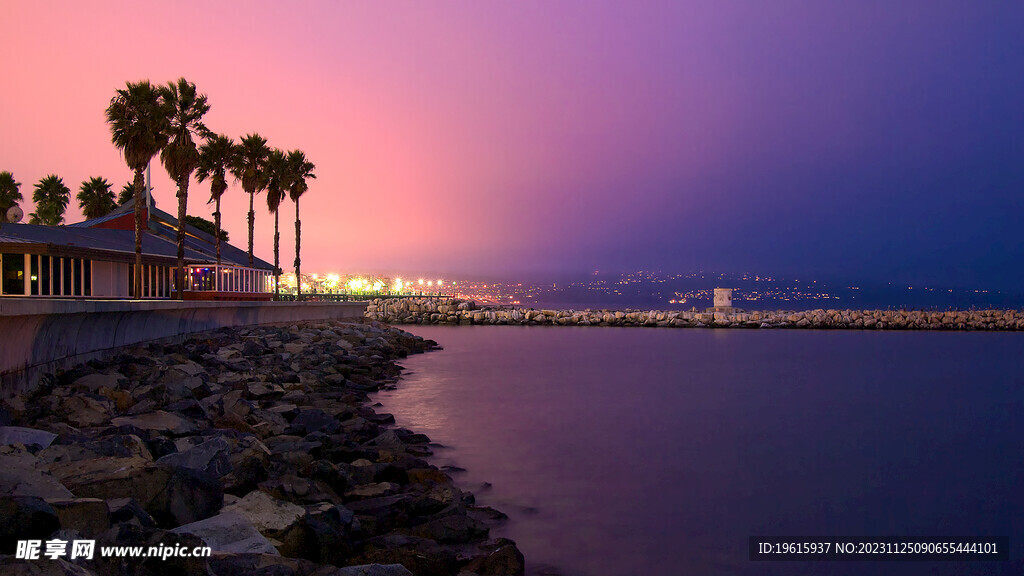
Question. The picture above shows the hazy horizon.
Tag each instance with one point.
(868, 141)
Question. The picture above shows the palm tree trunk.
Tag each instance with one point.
(139, 183)
(182, 208)
(277, 260)
(298, 238)
(216, 223)
(252, 220)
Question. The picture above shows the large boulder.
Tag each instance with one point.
(83, 410)
(324, 534)
(210, 459)
(270, 516)
(94, 383)
(158, 421)
(452, 529)
(30, 437)
(229, 532)
(249, 460)
(88, 516)
(299, 490)
(172, 496)
(501, 559)
(128, 511)
(25, 518)
(418, 555)
(23, 474)
(309, 420)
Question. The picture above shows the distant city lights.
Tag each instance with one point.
(642, 288)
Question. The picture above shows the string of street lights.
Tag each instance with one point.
(363, 285)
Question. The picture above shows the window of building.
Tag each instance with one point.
(66, 274)
(45, 278)
(34, 279)
(76, 276)
(13, 266)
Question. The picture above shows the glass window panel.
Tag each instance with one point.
(44, 276)
(87, 276)
(14, 273)
(34, 280)
(76, 276)
(65, 267)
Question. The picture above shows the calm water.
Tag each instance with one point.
(622, 451)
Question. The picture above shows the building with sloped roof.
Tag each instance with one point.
(96, 259)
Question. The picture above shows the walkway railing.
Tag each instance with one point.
(336, 297)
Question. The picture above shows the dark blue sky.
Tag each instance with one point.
(873, 142)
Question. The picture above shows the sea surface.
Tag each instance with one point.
(625, 451)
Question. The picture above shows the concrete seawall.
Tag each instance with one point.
(42, 335)
(455, 311)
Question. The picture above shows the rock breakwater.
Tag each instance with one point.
(457, 311)
(257, 442)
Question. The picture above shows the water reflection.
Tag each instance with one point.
(662, 451)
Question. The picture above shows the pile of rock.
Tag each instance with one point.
(457, 311)
(256, 442)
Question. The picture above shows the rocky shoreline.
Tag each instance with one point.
(258, 442)
(462, 312)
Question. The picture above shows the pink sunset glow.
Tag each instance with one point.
(444, 139)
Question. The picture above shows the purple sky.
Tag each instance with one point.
(871, 140)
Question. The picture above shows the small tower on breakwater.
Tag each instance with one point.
(723, 301)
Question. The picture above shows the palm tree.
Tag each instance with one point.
(138, 124)
(215, 159)
(9, 194)
(127, 193)
(51, 197)
(250, 160)
(180, 156)
(95, 197)
(299, 170)
(278, 182)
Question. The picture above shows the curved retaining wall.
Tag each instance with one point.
(455, 311)
(42, 335)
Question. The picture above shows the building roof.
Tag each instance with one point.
(117, 213)
(95, 237)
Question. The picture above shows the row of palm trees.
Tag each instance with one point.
(51, 197)
(146, 120)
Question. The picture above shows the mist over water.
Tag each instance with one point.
(621, 451)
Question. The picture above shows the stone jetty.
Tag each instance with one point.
(257, 442)
(457, 311)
